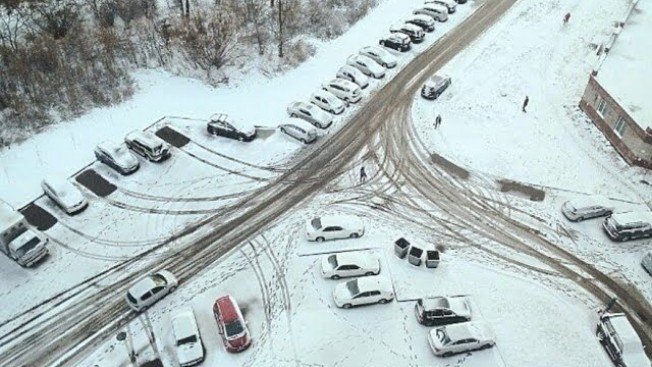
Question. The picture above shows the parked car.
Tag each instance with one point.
(64, 194)
(349, 264)
(353, 74)
(331, 227)
(148, 290)
(628, 226)
(231, 325)
(148, 145)
(117, 156)
(619, 339)
(587, 207)
(366, 65)
(443, 310)
(362, 291)
(327, 101)
(415, 32)
(311, 113)
(460, 1)
(646, 263)
(221, 125)
(436, 11)
(187, 340)
(464, 337)
(397, 41)
(426, 22)
(343, 89)
(303, 134)
(450, 5)
(379, 55)
(435, 86)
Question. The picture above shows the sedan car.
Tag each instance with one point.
(331, 227)
(366, 65)
(304, 135)
(310, 113)
(349, 264)
(231, 324)
(344, 90)
(460, 338)
(362, 291)
(582, 208)
(327, 101)
(117, 156)
(150, 289)
(435, 86)
(442, 310)
(221, 125)
(397, 41)
(352, 74)
(379, 55)
(64, 194)
(424, 21)
(187, 341)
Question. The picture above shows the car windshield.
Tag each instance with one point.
(159, 280)
(316, 223)
(131, 298)
(187, 340)
(443, 337)
(352, 286)
(234, 328)
(333, 261)
(27, 247)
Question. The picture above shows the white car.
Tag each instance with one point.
(366, 65)
(64, 194)
(587, 207)
(311, 113)
(343, 89)
(294, 130)
(117, 156)
(362, 291)
(460, 338)
(450, 5)
(352, 74)
(188, 343)
(379, 55)
(146, 291)
(148, 145)
(331, 227)
(327, 101)
(436, 11)
(349, 264)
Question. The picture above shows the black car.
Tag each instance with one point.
(220, 126)
(424, 21)
(435, 86)
(397, 41)
(442, 310)
(460, 1)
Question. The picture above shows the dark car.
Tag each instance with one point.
(424, 21)
(442, 310)
(220, 125)
(435, 86)
(397, 41)
(460, 1)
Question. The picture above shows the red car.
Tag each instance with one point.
(231, 325)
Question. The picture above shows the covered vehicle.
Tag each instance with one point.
(435, 86)
(628, 226)
(619, 339)
(362, 291)
(366, 65)
(117, 156)
(442, 310)
(188, 344)
(148, 290)
(413, 31)
(328, 101)
(17, 240)
(582, 208)
(464, 337)
(221, 125)
(306, 135)
(64, 194)
(426, 22)
(331, 227)
(349, 264)
(148, 145)
(343, 89)
(311, 113)
(379, 55)
(353, 74)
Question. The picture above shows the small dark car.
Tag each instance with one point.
(220, 125)
(442, 310)
(435, 86)
(424, 21)
(397, 41)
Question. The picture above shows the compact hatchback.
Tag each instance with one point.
(231, 325)
(344, 90)
(465, 337)
(64, 194)
(362, 291)
(148, 145)
(311, 113)
(327, 101)
(397, 41)
(331, 227)
(442, 310)
(424, 21)
(435, 86)
(303, 134)
(188, 343)
(117, 156)
(582, 208)
(150, 289)
(220, 125)
(349, 264)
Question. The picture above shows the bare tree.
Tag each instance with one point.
(12, 25)
(255, 14)
(56, 17)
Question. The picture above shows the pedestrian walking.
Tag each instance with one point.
(566, 18)
(437, 121)
(525, 102)
(363, 175)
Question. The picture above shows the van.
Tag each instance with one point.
(628, 226)
(148, 145)
(619, 339)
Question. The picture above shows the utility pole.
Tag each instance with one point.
(280, 28)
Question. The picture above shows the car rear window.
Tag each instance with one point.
(234, 328)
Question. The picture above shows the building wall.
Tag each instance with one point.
(629, 139)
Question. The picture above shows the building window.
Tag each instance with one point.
(602, 107)
(620, 126)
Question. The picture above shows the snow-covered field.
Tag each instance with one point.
(275, 277)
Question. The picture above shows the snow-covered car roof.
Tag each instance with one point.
(436, 7)
(593, 200)
(345, 84)
(632, 347)
(437, 80)
(377, 51)
(367, 284)
(406, 26)
(184, 324)
(466, 330)
(243, 126)
(632, 217)
(422, 17)
(146, 284)
(326, 95)
(145, 137)
(340, 220)
(364, 259)
(457, 304)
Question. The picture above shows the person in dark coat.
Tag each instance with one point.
(566, 18)
(525, 102)
(363, 175)
(437, 121)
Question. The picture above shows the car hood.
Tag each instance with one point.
(340, 292)
(126, 160)
(189, 352)
(459, 306)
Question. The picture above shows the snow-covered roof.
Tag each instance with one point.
(338, 220)
(8, 216)
(633, 354)
(585, 201)
(625, 73)
(632, 217)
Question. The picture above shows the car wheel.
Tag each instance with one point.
(320, 239)
(383, 301)
(303, 140)
(369, 273)
(347, 305)
(354, 235)
(447, 354)
(173, 288)
(293, 115)
(579, 219)
(335, 277)
(385, 65)
(240, 138)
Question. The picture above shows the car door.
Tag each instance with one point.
(361, 298)
(333, 232)
(306, 114)
(157, 293)
(349, 270)
(374, 296)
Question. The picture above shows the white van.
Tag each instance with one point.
(620, 341)
(628, 226)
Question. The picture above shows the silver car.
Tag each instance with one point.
(304, 135)
(344, 90)
(366, 65)
(64, 194)
(460, 338)
(146, 291)
(379, 55)
(311, 113)
(117, 156)
(352, 74)
(327, 101)
(582, 208)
